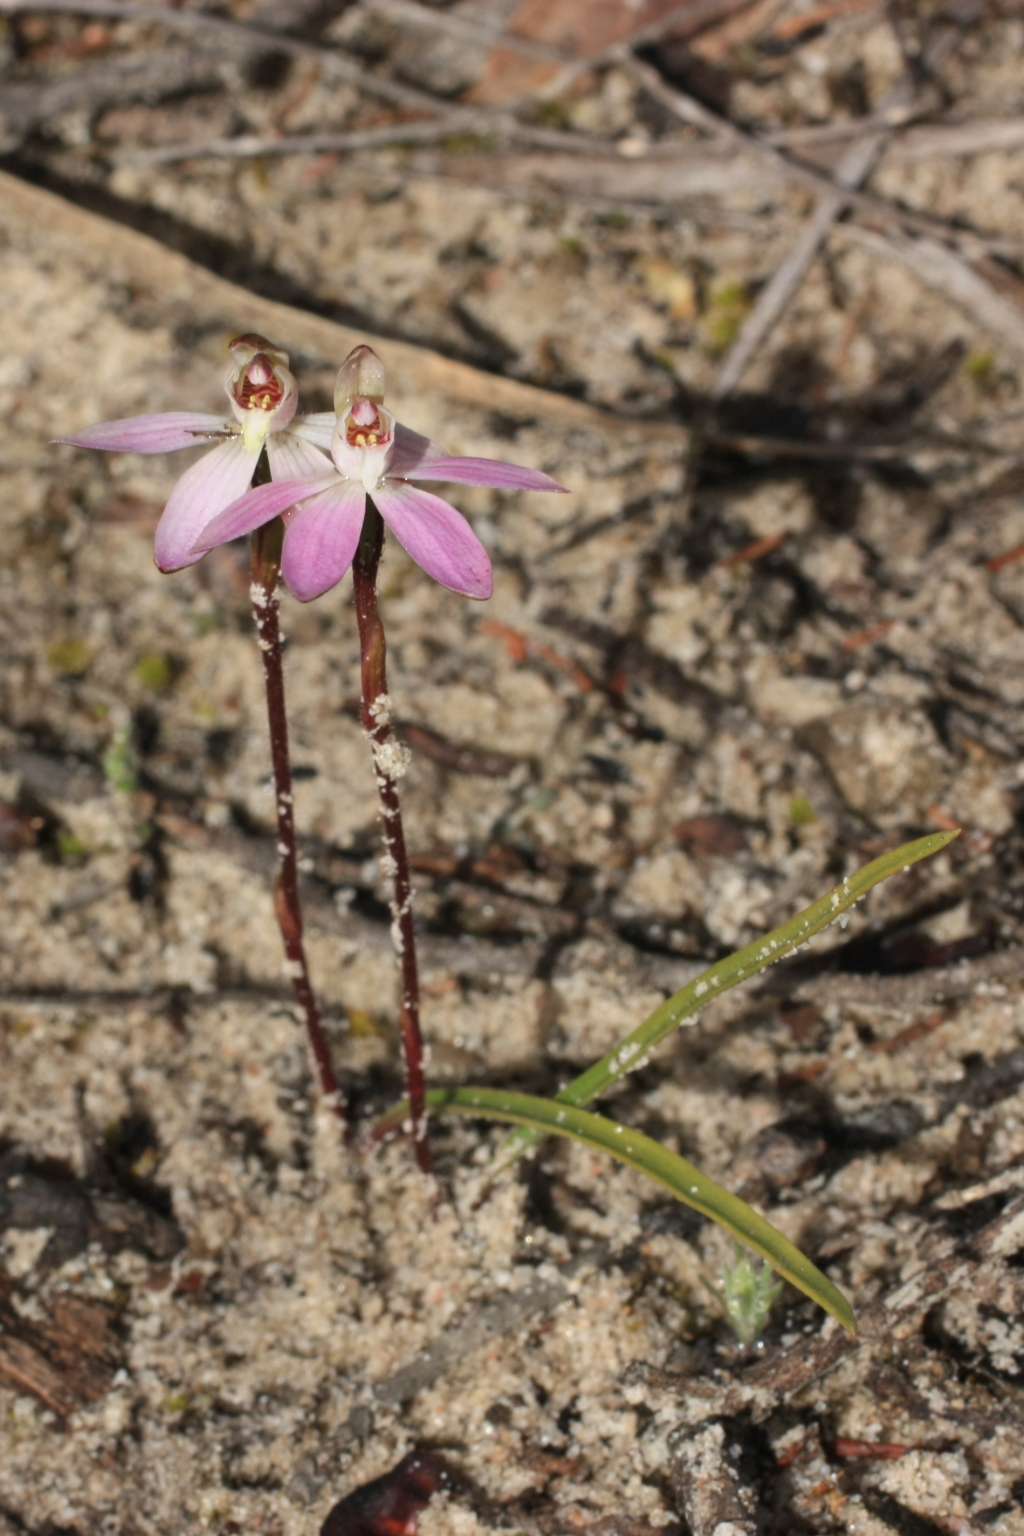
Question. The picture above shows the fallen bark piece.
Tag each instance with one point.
(68, 1360)
(707, 1488)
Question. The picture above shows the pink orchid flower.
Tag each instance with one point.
(323, 506)
(263, 396)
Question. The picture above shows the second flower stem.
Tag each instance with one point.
(389, 759)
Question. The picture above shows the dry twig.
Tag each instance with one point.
(854, 168)
(978, 138)
(872, 208)
(775, 297)
(946, 272)
(242, 38)
(150, 76)
(445, 118)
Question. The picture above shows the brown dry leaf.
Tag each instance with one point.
(580, 27)
(767, 16)
(718, 42)
(65, 1361)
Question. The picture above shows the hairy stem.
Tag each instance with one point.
(266, 565)
(389, 765)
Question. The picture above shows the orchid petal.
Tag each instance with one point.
(252, 510)
(293, 459)
(437, 537)
(412, 452)
(214, 482)
(151, 434)
(417, 458)
(494, 472)
(322, 538)
(317, 428)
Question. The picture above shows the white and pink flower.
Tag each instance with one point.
(372, 455)
(321, 499)
(263, 395)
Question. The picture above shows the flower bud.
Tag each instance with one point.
(360, 377)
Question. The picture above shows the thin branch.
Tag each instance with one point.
(250, 145)
(485, 124)
(853, 128)
(774, 299)
(915, 143)
(239, 37)
(795, 448)
(976, 138)
(150, 76)
(509, 177)
(943, 270)
(872, 208)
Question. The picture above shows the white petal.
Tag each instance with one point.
(291, 458)
(318, 428)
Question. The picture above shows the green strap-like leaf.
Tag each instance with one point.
(633, 1050)
(666, 1168)
(563, 1116)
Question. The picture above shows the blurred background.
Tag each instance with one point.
(632, 201)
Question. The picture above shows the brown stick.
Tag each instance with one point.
(266, 566)
(389, 759)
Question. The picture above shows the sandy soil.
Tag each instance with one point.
(741, 657)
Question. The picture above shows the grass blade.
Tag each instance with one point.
(672, 1172)
(718, 978)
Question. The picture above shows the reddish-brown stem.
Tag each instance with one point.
(266, 566)
(389, 765)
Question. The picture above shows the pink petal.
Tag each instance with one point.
(495, 472)
(437, 537)
(291, 458)
(318, 428)
(417, 458)
(150, 434)
(322, 538)
(217, 479)
(412, 453)
(251, 511)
